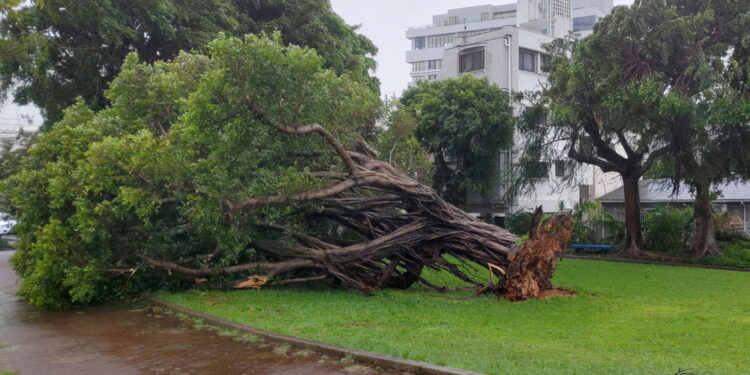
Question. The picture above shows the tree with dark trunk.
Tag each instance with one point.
(656, 79)
(584, 113)
(699, 92)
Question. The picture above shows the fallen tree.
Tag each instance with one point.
(253, 176)
(405, 227)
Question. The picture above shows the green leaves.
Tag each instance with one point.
(465, 123)
(54, 51)
(149, 176)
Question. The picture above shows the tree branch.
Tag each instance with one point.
(606, 166)
(305, 129)
(340, 187)
(272, 267)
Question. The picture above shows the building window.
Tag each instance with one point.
(452, 20)
(432, 77)
(419, 42)
(442, 40)
(507, 14)
(485, 16)
(418, 78)
(434, 64)
(418, 66)
(527, 60)
(560, 168)
(584, 23)
(538, 170)
(471, 59)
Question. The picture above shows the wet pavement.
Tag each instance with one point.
(127, 339)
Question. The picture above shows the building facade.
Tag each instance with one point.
(504, 44)
(552, 18)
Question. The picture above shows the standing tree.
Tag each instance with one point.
(590, 112)
(700, 93)
(53, 51)
(658, 78)
(399, 146)
(465, 123)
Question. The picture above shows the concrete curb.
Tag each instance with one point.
(381, 360)
(657, 263)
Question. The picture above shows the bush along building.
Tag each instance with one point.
(504, 44)
(731, 205)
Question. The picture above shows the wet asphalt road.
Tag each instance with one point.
(127, 339)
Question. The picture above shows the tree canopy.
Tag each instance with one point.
(53, 51)
(619, 98)
(465, 123)
(148, 177)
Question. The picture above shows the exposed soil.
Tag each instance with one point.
(126, 339)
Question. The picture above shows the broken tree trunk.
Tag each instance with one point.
(530, 269)
(395, 227)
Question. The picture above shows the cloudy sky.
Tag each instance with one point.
(385, 23)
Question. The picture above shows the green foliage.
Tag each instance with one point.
(625, 304)
(519, 223)
(398, 145)
(593, 226)
(465, 123)
(668, 229)
(733, 255)
(656, 80)
(148, 177)
(56, 50)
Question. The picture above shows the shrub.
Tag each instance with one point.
(519, 223)
(668, 229)
(592, 225)
(734, 255)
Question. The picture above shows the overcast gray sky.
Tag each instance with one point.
(385, 23)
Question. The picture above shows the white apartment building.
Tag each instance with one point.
(504, 44)
(548, 17)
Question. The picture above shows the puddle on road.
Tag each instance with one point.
(127, 339)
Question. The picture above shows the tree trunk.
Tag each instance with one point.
(704, 243)
(633, 239)
(530, 270)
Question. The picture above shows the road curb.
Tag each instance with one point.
(381, 360)
(657, 263)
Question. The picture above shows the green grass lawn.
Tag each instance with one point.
(626, 319)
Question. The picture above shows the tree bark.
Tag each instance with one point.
(633, 239)
(704, 243)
